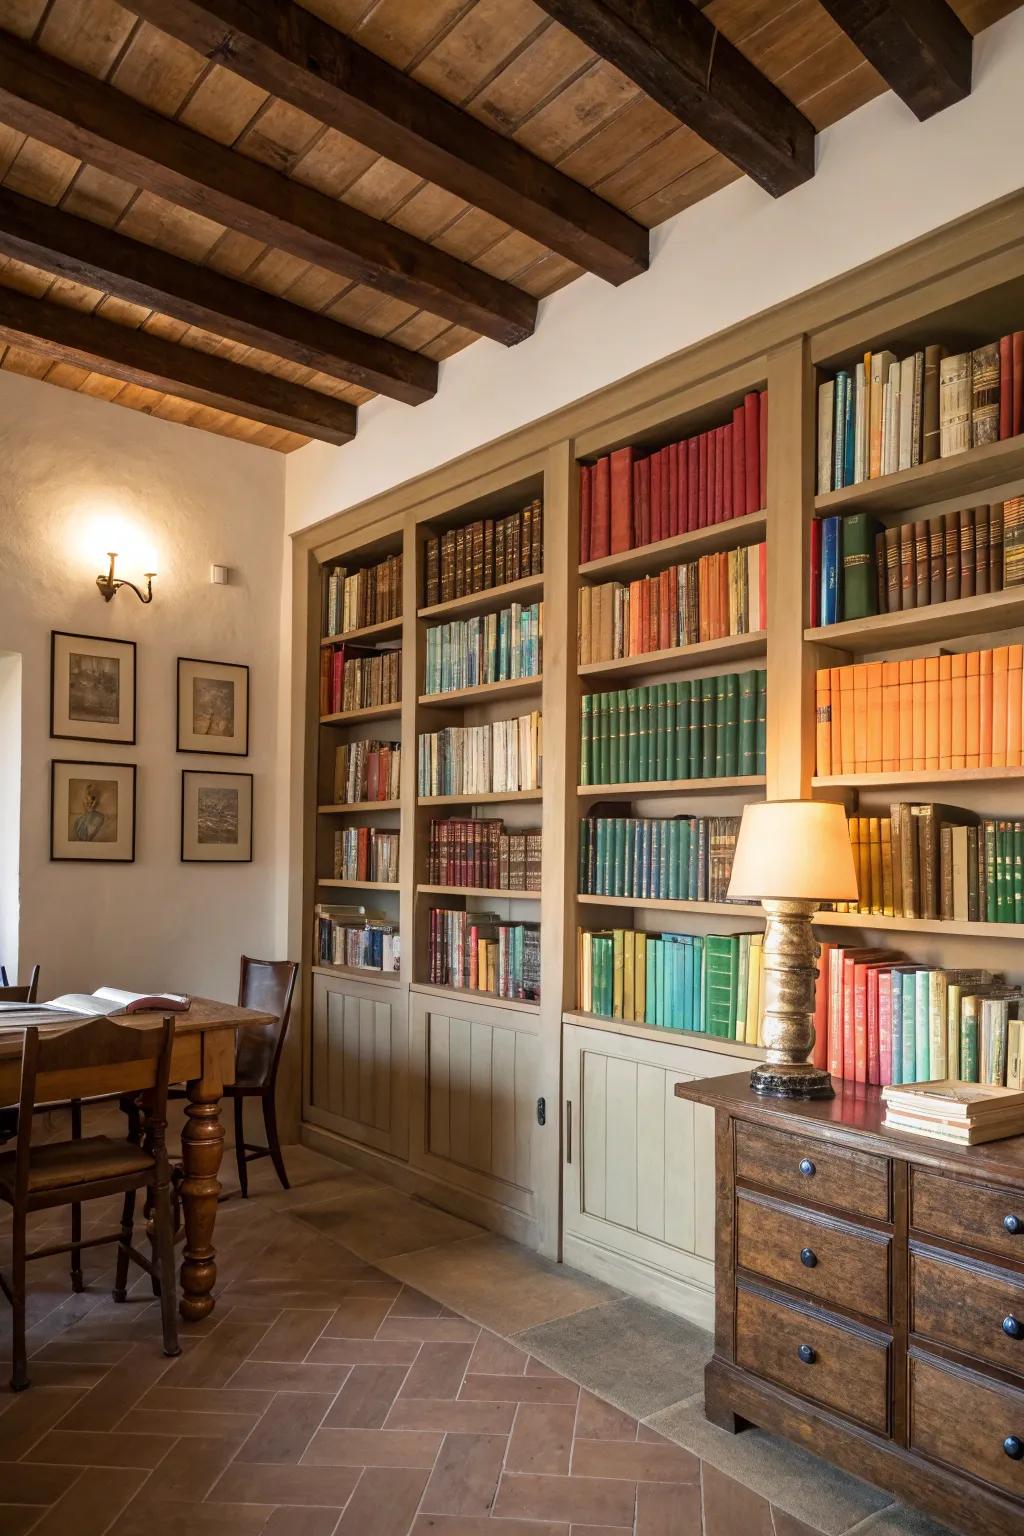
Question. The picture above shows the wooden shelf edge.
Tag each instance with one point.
(492, 892)
(949, 927)
(381, 631)
(728, 535)
(508, 687)
(485, 797)
(343, 806)
(358, 973)
(679, 657)
(670, 787)
(935, 621)
(477, 602)
(667, 904)
(937, 480)
(371, 712)
(692, 1038)
(360, 885)
(914, 776)
(430, 989)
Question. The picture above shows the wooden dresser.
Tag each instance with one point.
(869, 1298)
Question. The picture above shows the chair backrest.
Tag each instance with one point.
(142, 1055)
(26, 994)
(268, 986)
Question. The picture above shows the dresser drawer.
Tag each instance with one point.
(828, 1259)
(961, 1211)
(970, 1424)
(809, 1169)
(968, 1306)
(820, 1358)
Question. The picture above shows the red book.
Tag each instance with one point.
(762, 446)
(752, 451)
(682, 459)
(727, 506)
(600, 522)
(1006, 386)
(1018, 383)
(642, 505)
(739, 461)
(586, 485)
(885, 1026)
(693, 481)
(621, 500)
(702, 480)
(713, 514)
(672, 460)
(849, 1018)
(819, 1053)
(874, 1075)
(654, 512)
(719, 474)
(860, 1023)
(814, 594)
(666, 493)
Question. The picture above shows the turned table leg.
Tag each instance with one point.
(202, 1145)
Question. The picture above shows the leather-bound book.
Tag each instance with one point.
(956, 397)
(600, 530)
(936, 560)
(702, 481)
(967, 551)
(908, 567)
(923, 562)
(822, 722)
(621, 476)
(1006, 386)
(673, 525)
(692, 448)
(1017, 413)
(719, 475)
(1014, 709)
(930, 429)
(657, 471)
(586, 482)
(945, 711)
(1000, 703)
(951, 538)
(857, 533)
(996, 576)
(1013, 542)
(880, 364)
(881, 575)
(918, 701)
(752, 450)
(985, 395)
(728, 506)
(762, 420)
(739, 462)
(893, 601)
(714, 480)
(683, 476)
(982, 518)
(641, 504)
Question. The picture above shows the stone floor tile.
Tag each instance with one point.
(465, 1476)
(186, 1422)
(146, 1517)
(518, 1389)
(429, 1330)
(384, 1502)
(636, 1460)
(666, 1509)
(292, 1336)
(476, 1525)
(443, 1414)
(286, 1428)
(269, 1375)
(299, 1520)
(495, 1356)
(363, 1351)
(598, 1420)
(29, 1415)
(438, 1371)
(247, 1484)
(542, 1438)
(92, 1503)
(373, 1448)
(26, 1483)
(896, 1520)
(412, 1303)
(189, 1470)
(589, 1500)
(357, 1317)
(94, 1448)
(379, 1223)
(207, 1400)
(365, 1399)
(729, 1507)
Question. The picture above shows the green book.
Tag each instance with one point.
(617, 873)
(860, 585)
(732, 724)
(707, 727)
(670, 731)
(990, 874)
(910, 1074)
(748, 723)
(684, 857)
(1018, 872)
(742, 988)
(922, 1023)
(659, 731)
(632, 736)
(586, 737)
(644, 735)
(694, 734)
(720, 726)
(614, 738)
(624, 879)
(720, 979)
(969, 1059)
(583, 858)
(762, 721)
(682, 746)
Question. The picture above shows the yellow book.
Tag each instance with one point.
(875, 863)
(628, 977)
(753, 990)
(618, 945)
(1015, 1054)
(938, 1034)
(888, 895)
(640, 976)
(953, 1029)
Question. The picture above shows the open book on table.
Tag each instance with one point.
(112, 1001)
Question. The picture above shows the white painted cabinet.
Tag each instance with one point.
(358, 1065)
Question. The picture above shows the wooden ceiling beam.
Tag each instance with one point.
(88, 253)
(72, 336)
(288, 51)
(920, 48)
(674, 53)
(76, 113)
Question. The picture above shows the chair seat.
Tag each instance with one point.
(63, 1164)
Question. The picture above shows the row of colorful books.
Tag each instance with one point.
(366, 853)
(480, 851)
(687, 604)
(481, 952)
(357, 677)
(367, 770)
(344, 936)
(947, 711)
(700, 728)
(496, 758)
(484, 554)
(630, 497)
(657, 858)
(940, 862)
(353, 599)
(886, 414)
(706, 984)
(487, 648)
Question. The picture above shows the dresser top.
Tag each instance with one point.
(854, 1118)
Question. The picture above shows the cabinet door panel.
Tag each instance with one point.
(358, 1037)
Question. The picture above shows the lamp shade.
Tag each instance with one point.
(794, 849)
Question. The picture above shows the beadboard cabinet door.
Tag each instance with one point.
(358, 1062)
(639, 1167)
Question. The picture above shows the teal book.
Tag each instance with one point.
(896, 1023)
(684, 857)
(654, 867)
(692, 862)
(600, 844)
(707, 728)
(583, 857)
(675, 847)
(651, 982)
(762, 721)
(748, 723)
(922, 1044)
(660, 983)
(910, 1073)
(732, 724)
(699, 967)
(618, 864)
(658, 691)
(720, 951)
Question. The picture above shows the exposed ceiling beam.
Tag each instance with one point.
(286, 50)
(680, 59)
(71, 336)
(88, 253)
(86, 118)
(920, 48)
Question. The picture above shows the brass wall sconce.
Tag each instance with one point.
(109, 584)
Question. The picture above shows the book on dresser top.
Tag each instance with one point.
(954, 1111)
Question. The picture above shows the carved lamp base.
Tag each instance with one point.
(788, 959)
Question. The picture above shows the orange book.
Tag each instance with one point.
(958, 709)
(835, 699)
(635, 603)
(846, 720)
(1015, 675)
(931, 712)
(918, 706)
(873, 750)
(890, 716)
(819, 1050)
(945, 711)
(1000, 703)
(973, 712)
(822, 722)
(985, 710)
(906, 712)
(860, 718)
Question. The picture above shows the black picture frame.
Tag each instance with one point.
(211, 750)
(213, 773)
(68, 762)
(105, 640)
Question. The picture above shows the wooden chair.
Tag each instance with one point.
(26, 994)
(70, 1172)
(268, 986)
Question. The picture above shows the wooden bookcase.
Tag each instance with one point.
(465, 1072)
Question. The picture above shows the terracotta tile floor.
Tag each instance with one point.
(325, 1397)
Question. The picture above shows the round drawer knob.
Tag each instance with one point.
(1014, 1447)
(808, 1170)
(808, 1258)
(808, 1356)
(1013, 1327)
(1013, 1225)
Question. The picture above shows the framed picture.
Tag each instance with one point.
(92, 812)
(213, 706)
(92, 688)
(216, 817)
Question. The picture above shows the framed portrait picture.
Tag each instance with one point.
(92, 812)
(92, 688)
(213, 706)
(216, 817)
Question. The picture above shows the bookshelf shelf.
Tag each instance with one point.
(358, 973)
(489, 797)
(916, 626)
(351, 807)
(672, 787)
(949, 927)
(738, 531)
(653, 904)
(494, 893)
(387, 629)
(465, 994)
(510, 688)
(915, 776)
(963, 474)
(362, 885)
(522, 591)
(679, 658)
(693, 1038)
(371, 712)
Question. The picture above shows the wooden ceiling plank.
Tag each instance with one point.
(79, 115)
(920, 47)
(140, 359)
(675, 54)
(87, 253)
(285, 49)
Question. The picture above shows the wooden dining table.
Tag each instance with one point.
(204, 1060)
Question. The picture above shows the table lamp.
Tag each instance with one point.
(791, 855)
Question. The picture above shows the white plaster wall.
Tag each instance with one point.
(882, 179)
(72, 468)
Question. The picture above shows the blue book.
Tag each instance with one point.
(830, 568)
(896, 1024)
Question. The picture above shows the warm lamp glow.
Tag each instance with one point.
(99, 529)
(794, 850)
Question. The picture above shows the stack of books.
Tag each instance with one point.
(479, 851)
(366, 853)
(488, 648)
(351, 936)
(353, 599)
(496, 758)
(358, 677)
(705, 984)
(706, 599)
(479, 952)
(956, 1112)
(704, 728)
(938, 862)
(484, 554)
(367, 770)
(630, 498)
(680, 858)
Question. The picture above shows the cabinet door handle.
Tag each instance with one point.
(568, 1130)
(1013, 1327)
(808, 1356)
(807, 1168)
(808, 1258)
(1013, 1225)
(1014, 1447)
